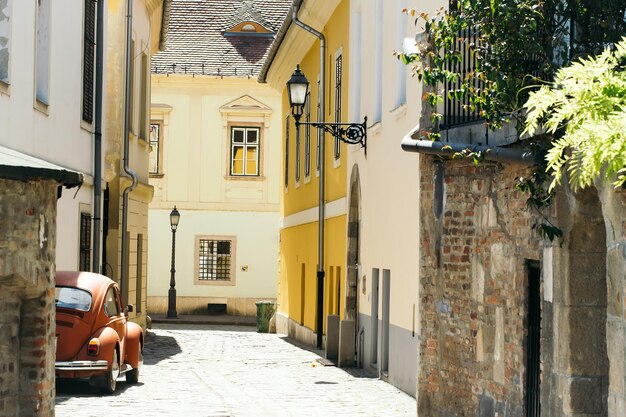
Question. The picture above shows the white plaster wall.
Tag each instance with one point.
(389, 177)
(56, 133)
(256, 248)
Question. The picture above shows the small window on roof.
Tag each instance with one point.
(248, 27)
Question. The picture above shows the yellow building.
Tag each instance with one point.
(125, 252)
(297, 311)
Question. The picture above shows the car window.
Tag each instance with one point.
(74, 298)
(110, 303)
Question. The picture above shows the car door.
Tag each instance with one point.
(117, 319)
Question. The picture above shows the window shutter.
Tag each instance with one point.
(89, 43)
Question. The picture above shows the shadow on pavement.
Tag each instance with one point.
(158, 348)
(70, 388)
(354, 372)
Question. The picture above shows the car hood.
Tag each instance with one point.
(73, 332)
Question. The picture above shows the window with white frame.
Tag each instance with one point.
(320, 132)
(286, 152)
(5, 39)
(42, 66)
(338, 77)
(215, 259)
(244, 151)
(155, 140)
(307, 138)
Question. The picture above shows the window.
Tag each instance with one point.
(143, 106)
(5, 39)
(74, 298)
(338, 76)
(111, 307)
(131, 87)
(401, 68)
(286, 152)
(378, 63)
(139, 279)
(89, 54)
(42, 51)
(320, 132)
(85, 242)
(297, 167)
(215, 259)
(244, 151)
(307, 138)
(156, 155)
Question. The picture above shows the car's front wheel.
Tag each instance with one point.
(109, 380)
(132, 376)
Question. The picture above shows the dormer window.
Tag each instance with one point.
(249, 28)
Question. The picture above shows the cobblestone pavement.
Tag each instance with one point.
(228, 371)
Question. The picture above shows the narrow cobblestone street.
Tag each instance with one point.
(229, 371)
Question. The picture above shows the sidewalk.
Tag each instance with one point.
(217, 319)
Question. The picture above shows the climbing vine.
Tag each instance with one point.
(516, 47)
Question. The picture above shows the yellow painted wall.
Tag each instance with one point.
(299, 265)
(298, 243)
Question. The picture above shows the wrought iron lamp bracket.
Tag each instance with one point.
(350, 133)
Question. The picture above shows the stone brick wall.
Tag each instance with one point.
(476, 237)
(27, 314)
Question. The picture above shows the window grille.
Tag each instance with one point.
(297, 167)
(89, 43)
(214, 260)
(85, 242)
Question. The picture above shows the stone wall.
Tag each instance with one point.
(27, 314)
(476, 239)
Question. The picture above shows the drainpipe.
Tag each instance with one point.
(97, 157)
(129, 172)
(321, 205)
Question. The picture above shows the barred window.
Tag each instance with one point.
(215, 258)
(307, 137)
(286, 152)
(89, 60)
(85, 242)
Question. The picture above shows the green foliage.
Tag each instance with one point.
(585, 109)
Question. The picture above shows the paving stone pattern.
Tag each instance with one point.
(227, 371)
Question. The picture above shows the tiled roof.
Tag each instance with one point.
(196, 43)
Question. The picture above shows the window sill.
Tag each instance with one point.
(5, 88)
(41, 107)
(157, 176)
(244, 178)
(86, 126)
(230, 283)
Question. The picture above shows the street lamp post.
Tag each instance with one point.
(171, 306)
(350, 133)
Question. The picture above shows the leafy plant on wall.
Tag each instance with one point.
(528, 57)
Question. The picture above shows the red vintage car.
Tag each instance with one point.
(95, 340)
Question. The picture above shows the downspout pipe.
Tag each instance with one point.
(322, 177)
(97, 156)
(491, 153)
(129, 172)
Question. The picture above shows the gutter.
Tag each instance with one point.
(278, 40)
(491, 153)
(129, 172)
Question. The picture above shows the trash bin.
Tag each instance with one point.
(264, 312)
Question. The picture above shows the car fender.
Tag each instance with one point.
(134, 343)
(109, 340)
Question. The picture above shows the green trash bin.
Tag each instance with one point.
(264, 312)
